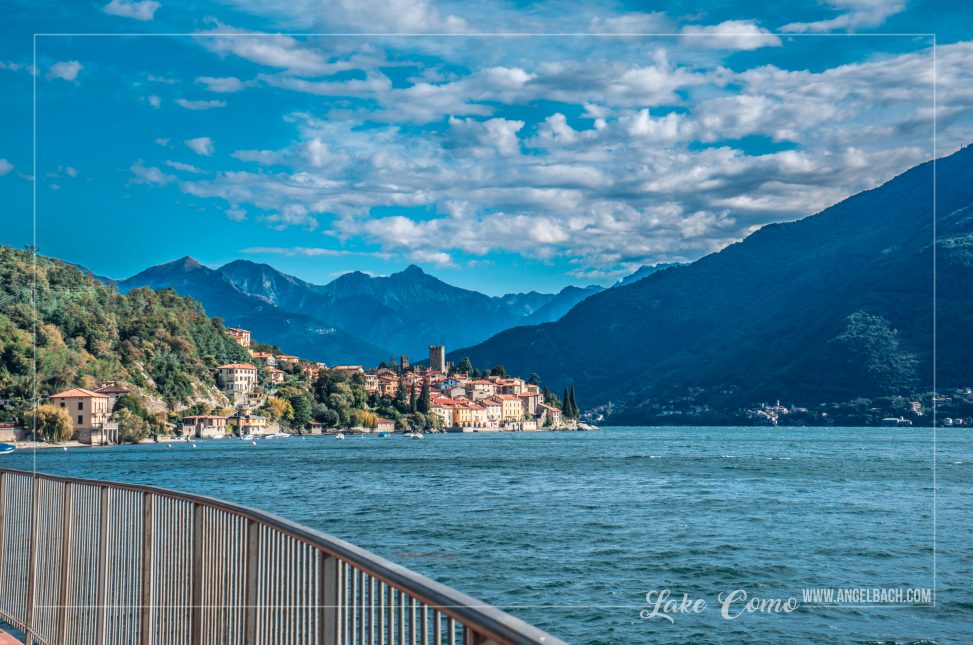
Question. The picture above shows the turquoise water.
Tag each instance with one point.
(570, 530)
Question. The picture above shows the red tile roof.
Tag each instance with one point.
(78, 392)
(237, 366)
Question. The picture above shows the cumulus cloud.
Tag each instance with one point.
(731, 34)
(201, 146)
(143, 10)
(857, 14)
(65, 70)
(200, 105)
(5, 167)
(608, 163)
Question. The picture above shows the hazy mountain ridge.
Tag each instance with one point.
(296, 333)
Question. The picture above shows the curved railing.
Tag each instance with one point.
(96, 562)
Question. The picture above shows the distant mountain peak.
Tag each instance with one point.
(412, 269)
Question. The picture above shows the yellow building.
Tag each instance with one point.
(242, 424)
(88, 411)
(512, 407)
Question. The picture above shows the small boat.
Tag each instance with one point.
(383, 434)
(417, 435)
(409, 435)
(340, 435)
(6, 447)
(281, 435)
(247, 437)
(218, 436)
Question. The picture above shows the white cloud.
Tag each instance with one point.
(143, 174)
(655, 22)
(5, 167)
(858, 14)
(155, 101)
(143, 10)
(185, 167)
(222, 84)
(200, 105)
(731, 34)
(236, 214)
(162, 141)
(201, 146)
(65, 70)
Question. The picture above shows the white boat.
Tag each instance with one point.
(281, 435)
(409, 435)
(218, 436)
(247, 437)
(418, 435)
(339, 436)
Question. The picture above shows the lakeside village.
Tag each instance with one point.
(277, 395)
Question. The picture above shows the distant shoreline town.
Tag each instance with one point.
(280, 393)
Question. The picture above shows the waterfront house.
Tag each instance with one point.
(204, 426)
(530, 401)
(494, 411)
(113, 391)
(244, 423)
(548, 413)
(513, 407)
(237, 379)
(241, 336)
(385, 425)
(88, 411)
(442, 407)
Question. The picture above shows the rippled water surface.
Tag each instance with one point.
(570, 530)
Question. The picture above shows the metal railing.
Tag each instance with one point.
(103, 563)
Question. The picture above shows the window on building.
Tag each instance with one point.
(81, 405)
(80, 419)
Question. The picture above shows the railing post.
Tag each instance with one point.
(250, 613)
(3, 525)
(328, 600)
(67, 524)
(145, 619)
(32, 562)
(101, 606)
(196, 606)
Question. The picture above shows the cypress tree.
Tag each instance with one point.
(424, 403)
(413, 404)
(575, 412)
(566, 404)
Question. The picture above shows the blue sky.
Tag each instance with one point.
(510, 161)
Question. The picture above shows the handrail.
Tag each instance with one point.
(331, 590)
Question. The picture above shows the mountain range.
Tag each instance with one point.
(402, 313)
(832, 307)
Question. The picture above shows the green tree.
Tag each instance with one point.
(534, 378)
(466, 365)
(51, 423)
(424, 403)
(279, 410)
(498, 370)
(131, 427)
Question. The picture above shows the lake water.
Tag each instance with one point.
(570, 530)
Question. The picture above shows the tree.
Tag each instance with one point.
(413, 404)
(534, 378)
(301, 404)
(575, 412)
(279, 410)
(466, 366)
(498, 370)
(424, 404)
(401, 403)
(51, 423)
(566, 404)
(131, 427)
